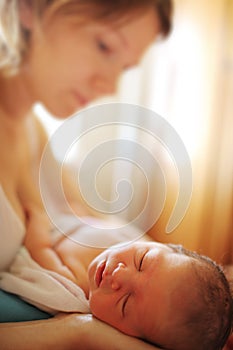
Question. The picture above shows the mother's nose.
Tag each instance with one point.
(105, 80)
(104, 85)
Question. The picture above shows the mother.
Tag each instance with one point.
(63, 53)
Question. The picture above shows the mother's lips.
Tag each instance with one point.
(99, 272)
(81, 99)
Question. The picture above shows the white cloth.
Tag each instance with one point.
(45, 289)
(21, 275)
(49, 290)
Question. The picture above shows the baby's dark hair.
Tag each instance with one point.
(207, 323)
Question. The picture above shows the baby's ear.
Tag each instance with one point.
(26, 14)
(228, 271)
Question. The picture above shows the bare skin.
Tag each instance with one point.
(67, 332)
(41, 77)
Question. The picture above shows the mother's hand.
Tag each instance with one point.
(67, 332)
(100, 336)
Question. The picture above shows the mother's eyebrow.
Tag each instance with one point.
(120, 36)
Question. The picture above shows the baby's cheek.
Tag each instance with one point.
(104, 311)
(102, 308)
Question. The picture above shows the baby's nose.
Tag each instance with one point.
(119, 276)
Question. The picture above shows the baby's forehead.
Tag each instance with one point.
(196, 260)
(180, 289)
(184, 292)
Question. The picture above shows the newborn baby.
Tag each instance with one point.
(161, 293)
(164, 294)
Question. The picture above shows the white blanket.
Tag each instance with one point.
(49, 290)
(43, 288)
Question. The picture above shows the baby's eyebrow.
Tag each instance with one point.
(176, 248)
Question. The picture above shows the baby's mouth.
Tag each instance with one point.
(99, 272)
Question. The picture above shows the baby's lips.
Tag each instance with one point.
(99, 272)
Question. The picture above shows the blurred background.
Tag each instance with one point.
(188, 80)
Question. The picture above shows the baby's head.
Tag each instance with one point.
(164, 294)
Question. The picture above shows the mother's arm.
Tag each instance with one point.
(61, 171)
(67, 332)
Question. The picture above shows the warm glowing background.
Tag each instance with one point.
(189, 81)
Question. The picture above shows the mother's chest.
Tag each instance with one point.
(14, 162)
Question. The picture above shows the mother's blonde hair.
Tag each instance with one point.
(14, 38)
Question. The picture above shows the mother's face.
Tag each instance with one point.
(70, 64)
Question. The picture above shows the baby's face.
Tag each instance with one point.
(136, 288)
